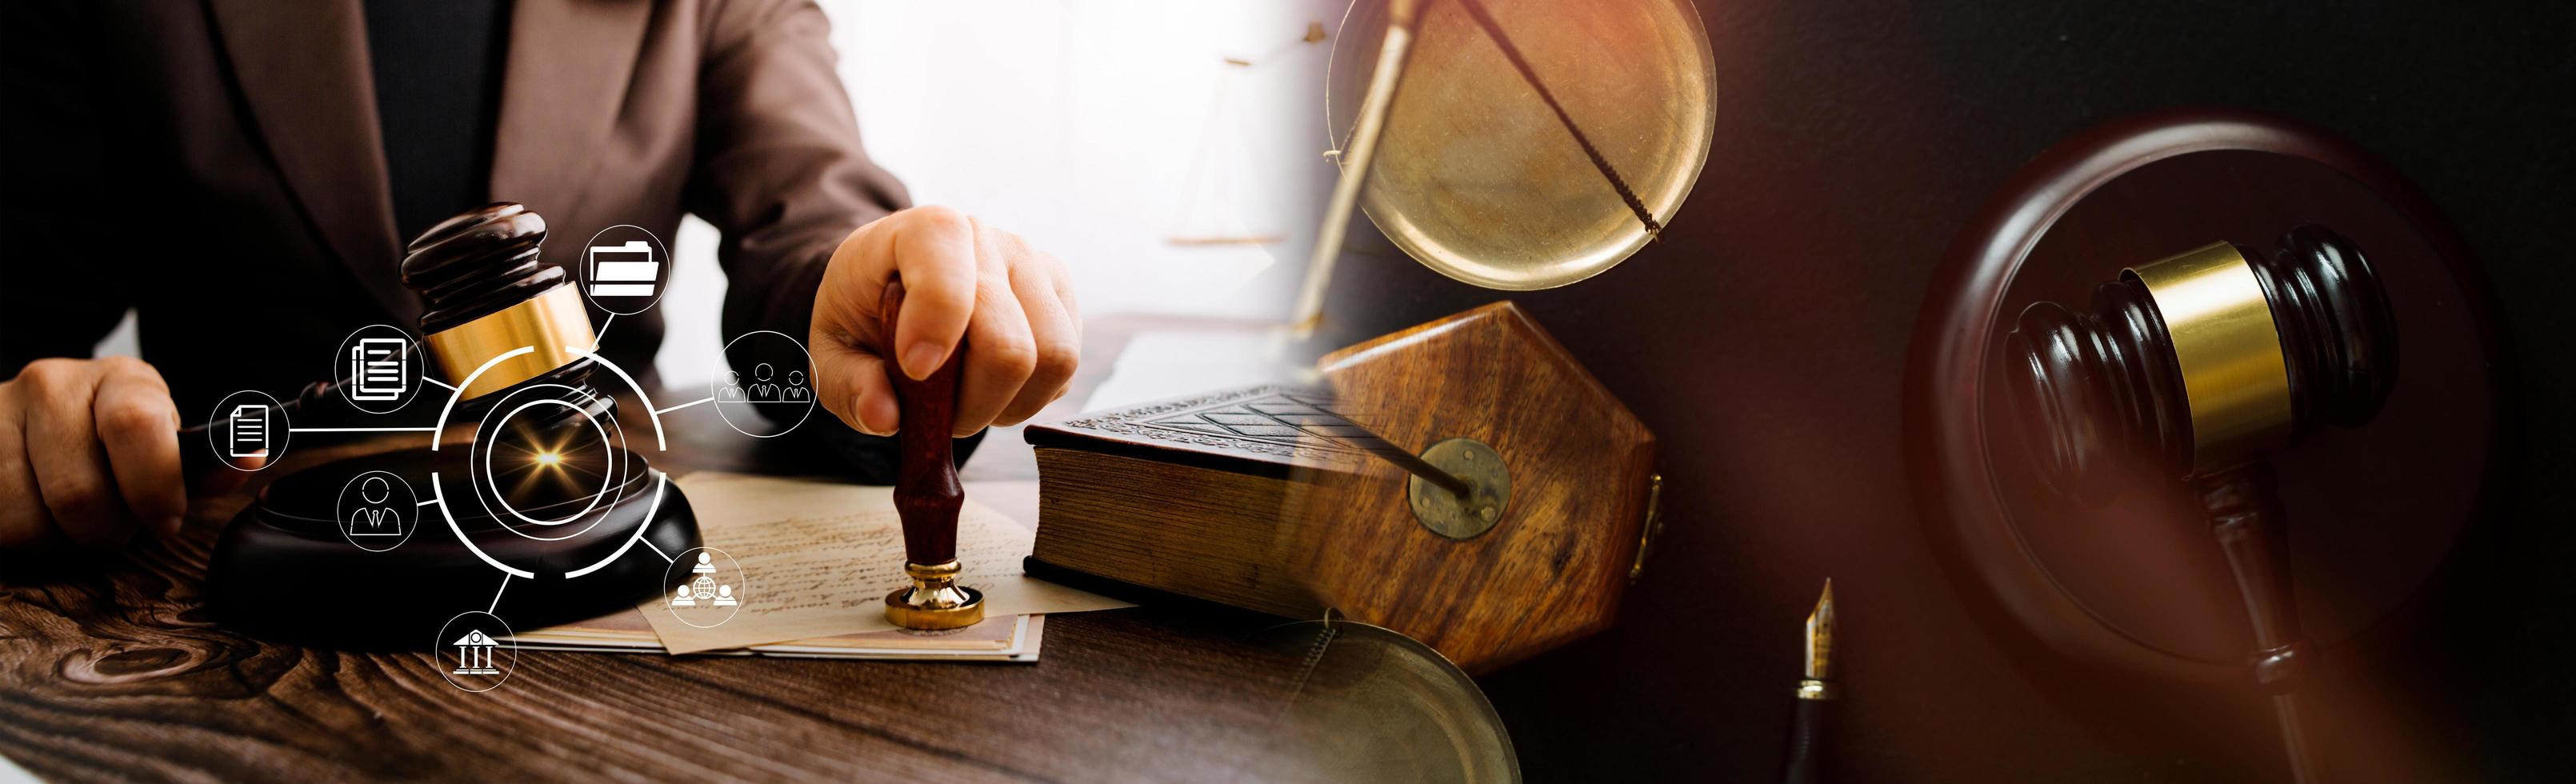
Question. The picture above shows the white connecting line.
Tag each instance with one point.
(661, 411)
(362, 430)
(496, 595)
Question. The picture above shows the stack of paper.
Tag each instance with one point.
(817, 560)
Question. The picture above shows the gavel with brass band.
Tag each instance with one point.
(488, 294)
(501, 324)
(926, 493)
(2201, 365)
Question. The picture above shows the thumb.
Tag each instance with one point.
(850, 381)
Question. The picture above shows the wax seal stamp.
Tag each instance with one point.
(927, 496)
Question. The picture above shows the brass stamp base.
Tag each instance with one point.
(934, 601)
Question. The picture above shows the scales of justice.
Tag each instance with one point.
(1509, 494)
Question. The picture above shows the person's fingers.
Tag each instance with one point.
(1001, 351)
(851, 383)
(849, 376)
(1057, 336)
(964, 288)
(24, 521)
(71, 468)
(934, 255)
(138, 426)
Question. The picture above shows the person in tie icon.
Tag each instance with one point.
(732, 390)
(374, 518)
(796, 391)
(761, 389)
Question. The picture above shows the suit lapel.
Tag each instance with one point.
(303, 70)
(570, 61)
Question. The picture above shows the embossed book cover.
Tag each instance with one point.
(1185, 496)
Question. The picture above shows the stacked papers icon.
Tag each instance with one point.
(627, 270)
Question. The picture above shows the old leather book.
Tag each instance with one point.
(1186, 496)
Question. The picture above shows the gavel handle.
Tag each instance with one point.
(197, 442)
(2246, 517)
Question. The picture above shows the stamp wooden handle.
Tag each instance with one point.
(926, 493)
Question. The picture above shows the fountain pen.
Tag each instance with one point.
(1815, 696)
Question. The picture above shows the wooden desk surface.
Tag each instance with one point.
(114, 672)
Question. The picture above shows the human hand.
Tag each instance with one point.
(89, 452)
(1010, 305)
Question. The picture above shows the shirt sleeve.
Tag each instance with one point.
(780, 172)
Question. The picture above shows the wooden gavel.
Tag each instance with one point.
(487, 293)
(926, 493)
(2204, 364)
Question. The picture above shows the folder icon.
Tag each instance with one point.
(616, 269)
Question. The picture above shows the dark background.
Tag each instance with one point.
(1764, 339)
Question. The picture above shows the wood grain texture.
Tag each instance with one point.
(111, 671)
(118, 677)
(1554, 567)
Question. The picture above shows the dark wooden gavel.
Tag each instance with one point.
(488, 294)
(2199, 366)
(926, 493)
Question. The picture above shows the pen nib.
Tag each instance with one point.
(1820, 636)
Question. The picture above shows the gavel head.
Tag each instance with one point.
(507, 330)
(2202, 361)
(489, 296)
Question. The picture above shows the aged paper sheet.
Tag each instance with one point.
(819, 557)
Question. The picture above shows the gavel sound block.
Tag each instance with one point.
(283, 568)
(2095, 472)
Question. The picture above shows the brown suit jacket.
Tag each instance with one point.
(217, 166)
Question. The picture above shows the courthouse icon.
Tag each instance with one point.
(474, 654)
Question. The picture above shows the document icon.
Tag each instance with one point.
(627, 270)
(376, 369)
(250, 430)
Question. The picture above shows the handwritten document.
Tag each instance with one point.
(818, 559)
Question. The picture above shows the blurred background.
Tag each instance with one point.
(1170, 152)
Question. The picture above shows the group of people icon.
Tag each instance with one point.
(762, 389)
(704, 589)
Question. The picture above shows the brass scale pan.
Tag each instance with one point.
(1529, 144)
